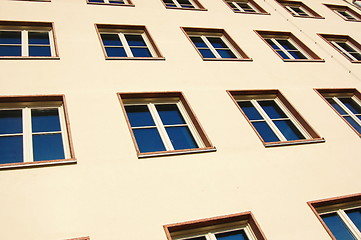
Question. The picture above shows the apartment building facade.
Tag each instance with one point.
(180, 119)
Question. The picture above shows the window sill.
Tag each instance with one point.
(112, 4)
(314, 17)
(295, 142)
(37, 164)
(29, 58)
(303, 60)
(228, 59)
(355, 61)
(254, 13)
(176, 152)
(192, 9)
(135, 58)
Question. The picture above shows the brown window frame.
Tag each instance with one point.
(198, 6)
(312, 56)
(253, 3)
(21, 25)
(128, 4)
(335, 201)
(42, 98)
(81, 238)
(341, 92)
(131, 96)
(247, 217)
(327, 38)
(242, 56)
(335, 8)
(309, 10)
(129, 28)
(294, 114)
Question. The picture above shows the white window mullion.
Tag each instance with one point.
(24, 43)
(285, 51)
(348, 111)
(210, 236)
(177, 4)
(159, 124)
(238, 7)
(125, 45)
(27, 135)
(350, 225)
(190, 126)
(64, 132)
(344, 51)
(268, 120)
(210, 46)
(52, 44)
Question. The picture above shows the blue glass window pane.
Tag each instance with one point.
(135, 40)
(115, 52)
(234, 235)
(141, 52)
(96, 1)
(45, 120)
(148, 140)
(181, 138)
(283, 55)
(297, 55)
(217, 42)
(345, 46)
(11, 149)
(198, 42)
(48, 147)
(206, 53)
(289, 130)
(226, 53)
(11, 121)
(286, 44)
(336, 106)
(187, 6)
(353, 123)
(169, 113)
(351, 105)
(111, 39)
(39, 51)
(10, 37)
(10, 50)
(272, 44)
(250, 111)
(355, 216)
(356, 55)
(39, 38)
(337, 227)
(139, 116)
(265, 131)
(272, 109)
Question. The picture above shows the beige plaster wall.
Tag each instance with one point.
(110, 194)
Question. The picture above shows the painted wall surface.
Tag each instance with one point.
(110, 194)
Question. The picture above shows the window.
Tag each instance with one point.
(163, 123)
(298, 9)
(214, 44)
(26, 39)
(346, 45)
(183, 4)
(33, 129)
(112, 2)
(340, 216)
(345, 12)
(245, 6)
(347, 103)
(273, 118)
(357, 3)
(288, 47)
(241, 226)
(124, 42)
